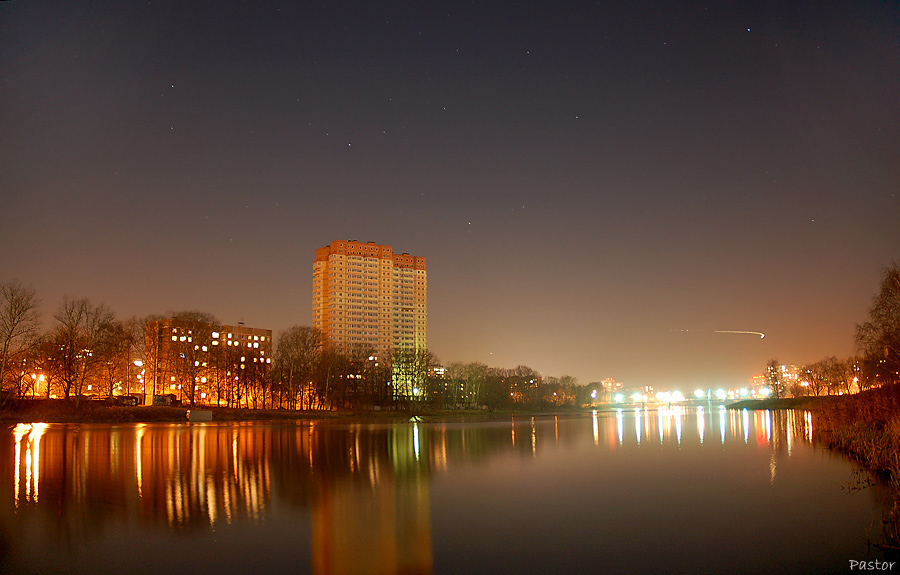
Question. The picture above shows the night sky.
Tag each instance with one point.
(597, 187)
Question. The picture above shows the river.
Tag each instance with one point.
(668, 491)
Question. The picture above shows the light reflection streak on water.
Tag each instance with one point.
(677, 413)
(637, 424)
(620, 426)
(138, 454)
(216, 480)
(790, 424)
(746, 422)
(701, 423)
(533, 439)
(37, 431)
(20, 430)
(722, 422)
(441, 459)
(660, 423)
(647, 423)
(513, 429)
(34, 433)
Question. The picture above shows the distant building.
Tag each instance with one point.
(612, 386)
(220, 364)
(365, 296)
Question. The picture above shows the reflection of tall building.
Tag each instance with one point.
(366, 296)
(374, 517)
(383, 528)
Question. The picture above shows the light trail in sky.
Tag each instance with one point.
(759, 333)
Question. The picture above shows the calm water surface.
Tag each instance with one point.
(668, 491)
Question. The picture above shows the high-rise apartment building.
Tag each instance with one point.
(365, 296)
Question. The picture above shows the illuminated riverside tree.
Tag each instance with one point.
(75, 344)
(879, 338)
(19, 322)
(295, 360)
(410, 372)
(114, 351)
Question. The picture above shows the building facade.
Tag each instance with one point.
(365, 296)
(201, 362)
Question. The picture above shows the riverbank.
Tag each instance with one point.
(59, 411)
(785, 403)
(864, 426)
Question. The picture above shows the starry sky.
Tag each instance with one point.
(598, 187)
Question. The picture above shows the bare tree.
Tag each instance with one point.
(19, 323)
(879, 338)
(75, 343)
(296, 357)
(815, 377)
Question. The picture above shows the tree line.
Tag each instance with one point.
(878, 361)
(90, 353)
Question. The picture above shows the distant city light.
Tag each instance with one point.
(699, 394)
(720, 394)
(619, 398)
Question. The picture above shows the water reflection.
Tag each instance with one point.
(365, 487)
